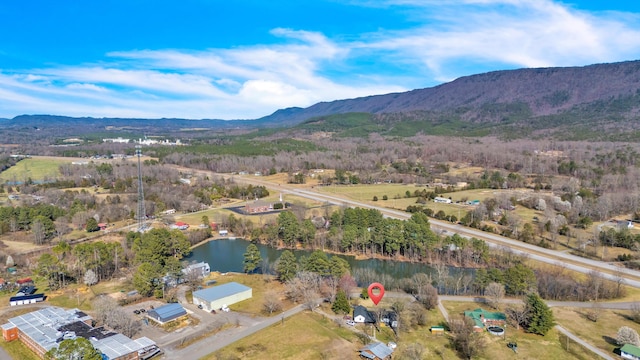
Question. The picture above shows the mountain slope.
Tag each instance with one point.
(546, 91)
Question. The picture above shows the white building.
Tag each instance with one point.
(201, 267)
(221, 296)
(442, 200)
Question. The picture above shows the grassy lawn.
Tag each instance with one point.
(304, 336)
(37, 169)
(601, 333)
(550, 346)
(367, 192)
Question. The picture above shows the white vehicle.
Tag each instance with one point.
(351, 323)
(224, 308)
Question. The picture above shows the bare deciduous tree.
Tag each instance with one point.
(465, 340)
(494, 293)
(517, 314)
(627, 335)
(113, 316)
(304, 288)
(272, 302)
(90, 278)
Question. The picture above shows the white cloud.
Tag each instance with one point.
(447, 39)
(514, 33)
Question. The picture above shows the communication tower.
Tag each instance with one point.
(141, 214)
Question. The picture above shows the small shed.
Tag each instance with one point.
(167, 313)
(218, 296)
(437, 330)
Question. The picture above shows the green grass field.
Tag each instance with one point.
(304, 336)
(36, 169)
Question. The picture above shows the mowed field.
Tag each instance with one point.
(306, 335)
(35, 168)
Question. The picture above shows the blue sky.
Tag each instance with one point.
(238, 59)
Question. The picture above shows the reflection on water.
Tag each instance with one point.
(226, 256)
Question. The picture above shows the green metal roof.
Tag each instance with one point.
(477, 314)
(631, 349)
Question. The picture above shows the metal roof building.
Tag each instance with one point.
(43, 329)
(376, 351)
(167, 312)
(218, 296)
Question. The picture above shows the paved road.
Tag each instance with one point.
(585, 344)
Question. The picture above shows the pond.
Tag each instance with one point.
(226, 255)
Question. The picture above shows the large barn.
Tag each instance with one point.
(217, 297)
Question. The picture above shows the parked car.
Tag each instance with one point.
(136, 311)
(351, 323)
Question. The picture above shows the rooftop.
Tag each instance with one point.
(376, 350)
(167, 312)
(478, 314)
(631, 349)
(50, 325)
(220, 291)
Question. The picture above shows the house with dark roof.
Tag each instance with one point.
(221, 296)
(629, 351)
(483, 318)
(376, 351)
(362, 315)
(166, 313)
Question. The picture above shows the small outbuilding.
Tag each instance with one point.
(629, 351)
(220, 296)
(166, 313)
(376, 351)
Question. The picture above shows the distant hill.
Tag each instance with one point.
(545, 90)
(591, 102)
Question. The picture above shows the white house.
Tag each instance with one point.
(202, 268)
(362, 315)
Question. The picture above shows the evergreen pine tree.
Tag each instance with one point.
(286, 266)
(341, 305)
(539, 316)
(252, 258)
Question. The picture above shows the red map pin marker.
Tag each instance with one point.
(376, 297)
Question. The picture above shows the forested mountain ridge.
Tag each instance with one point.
(569, 102)
(545, 90)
